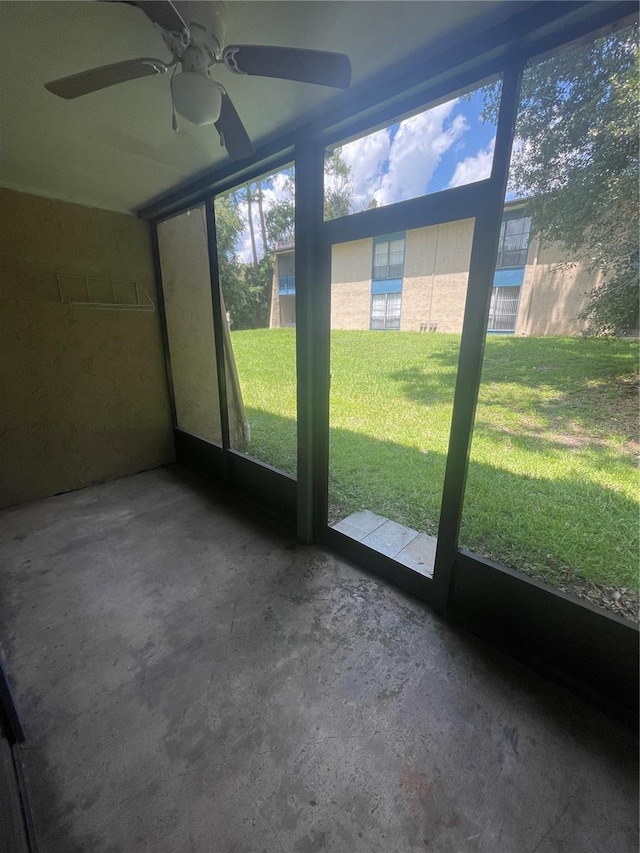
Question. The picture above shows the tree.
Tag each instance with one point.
(249, 198)
(258, 281)
(229, 228)
(280, 219)
(242, 284)
(338, 190)
(263, 227)
(576, 160)
(281, 216)
(247, 286)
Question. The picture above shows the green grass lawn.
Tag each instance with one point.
(553, 484)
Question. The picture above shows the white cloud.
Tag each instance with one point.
(275, 191)
(416, 151)
(474, 168)
(366, 157)
(391, 169)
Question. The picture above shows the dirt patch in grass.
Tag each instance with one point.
(606, 416)
(623, 601)
(616, 407)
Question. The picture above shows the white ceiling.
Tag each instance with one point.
(115, 149)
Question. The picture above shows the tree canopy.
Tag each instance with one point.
(339, 188)
(576, 160)
(244, 287)
(247, 286)
(280, 218)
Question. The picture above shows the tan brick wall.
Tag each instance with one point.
(283, 308)
(552, 293)
(435, 284)
(527, 284)
(351, 284)
(436, 272)
(287, 310)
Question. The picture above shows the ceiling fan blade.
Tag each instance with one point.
(161, 12)
(234, 136)
(290, 63)
(106, 75)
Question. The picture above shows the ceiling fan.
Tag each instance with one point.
(196, 96)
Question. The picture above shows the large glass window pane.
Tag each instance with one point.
(256, 258)
(388, 257)
(394, 354)
(445, 146)
(552, 487)
(514, 242)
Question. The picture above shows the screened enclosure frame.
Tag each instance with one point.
(483, 202)
(594, 648)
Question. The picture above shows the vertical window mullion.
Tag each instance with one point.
(474, 331)
(216, 303)
(313, 323)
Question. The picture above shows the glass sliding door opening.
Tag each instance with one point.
(397, 306)
(397, 309)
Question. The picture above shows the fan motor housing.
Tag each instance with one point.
(195, 59)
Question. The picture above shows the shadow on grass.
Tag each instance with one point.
(420, 385)
(590, 388)
(544, 526)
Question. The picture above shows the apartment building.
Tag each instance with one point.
(417, 281)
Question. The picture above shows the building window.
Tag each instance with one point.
(388, 257)
(286, 274)
(385, 310)
(514, 242)
(503, 312)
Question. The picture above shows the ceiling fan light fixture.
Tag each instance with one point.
(197, 97)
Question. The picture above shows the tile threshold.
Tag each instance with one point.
(410, 547)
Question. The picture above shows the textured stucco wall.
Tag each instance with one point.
(83, 391)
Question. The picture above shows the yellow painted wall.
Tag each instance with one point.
(83, 394)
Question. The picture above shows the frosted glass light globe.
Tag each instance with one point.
(197, 97)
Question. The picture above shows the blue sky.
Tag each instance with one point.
(448, 145)
(479, 137)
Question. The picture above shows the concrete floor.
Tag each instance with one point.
(191, 680)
